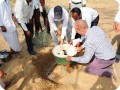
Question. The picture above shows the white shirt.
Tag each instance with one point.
(117, 17)
(65, 19)
(6, 16)
(88, 14)
(36, 4)
(97, 44)
(23, 12)
(76, 1)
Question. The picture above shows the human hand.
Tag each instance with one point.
(71, 42)
(68, 59)
(28, 33)
(58, 32)
(62, 41)
(14, 19)
(3, 29)
(78, 49)
(116, 27)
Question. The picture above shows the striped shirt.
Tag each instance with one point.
(97, 44)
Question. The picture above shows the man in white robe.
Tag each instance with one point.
(7, 26)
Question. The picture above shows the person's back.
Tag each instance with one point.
(88, 14)
(96, 37)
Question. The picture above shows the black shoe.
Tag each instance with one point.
(32, 52)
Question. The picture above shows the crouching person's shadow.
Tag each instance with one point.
(103, 83)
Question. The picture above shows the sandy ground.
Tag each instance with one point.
(42, 73)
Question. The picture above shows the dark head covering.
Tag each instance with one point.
(58, 12)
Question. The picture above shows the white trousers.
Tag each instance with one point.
(55, 37)
(12, 40)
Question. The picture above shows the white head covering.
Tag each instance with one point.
(1, 1)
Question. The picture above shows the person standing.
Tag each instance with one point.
(116, 28)
(58, 16)
(97, 47)
(24, 12)
(45, 16)
(36, 17)
(7, 26)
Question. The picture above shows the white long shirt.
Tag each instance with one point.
(65, 19)
(23, 12)
(6, 16)
(97, 44)
(88, 14)
(36, 4)
(117, 17)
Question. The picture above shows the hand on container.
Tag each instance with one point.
(79, 49)
(3, 29)
(68, 59)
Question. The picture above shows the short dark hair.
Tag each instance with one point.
(76, 10)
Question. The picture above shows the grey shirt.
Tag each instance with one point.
(97, 44)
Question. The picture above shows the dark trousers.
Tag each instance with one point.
(27, 38)
(45, 18)
(94, 23)
(36, 20)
